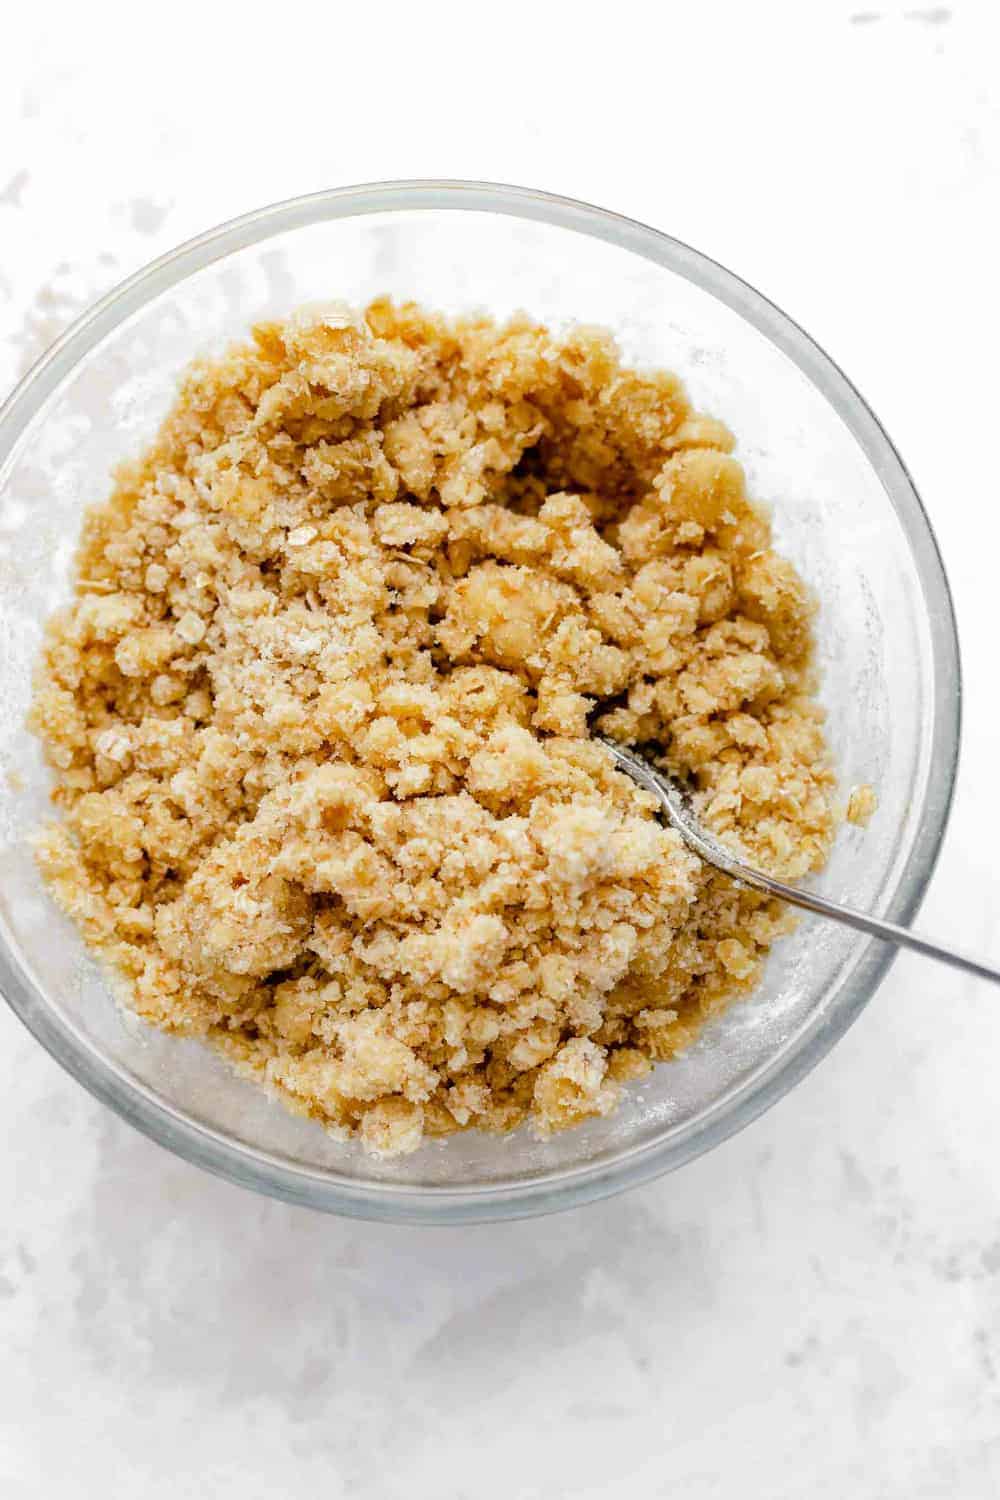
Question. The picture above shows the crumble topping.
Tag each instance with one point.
(320, 714)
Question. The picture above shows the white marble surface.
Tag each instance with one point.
(814, 1309)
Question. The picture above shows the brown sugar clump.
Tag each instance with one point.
(320, 718)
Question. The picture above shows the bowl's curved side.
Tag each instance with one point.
(293, 1180)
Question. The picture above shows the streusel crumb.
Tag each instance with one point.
(861, 805)
(321, 708)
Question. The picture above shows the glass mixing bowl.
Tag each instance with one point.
(844, 510)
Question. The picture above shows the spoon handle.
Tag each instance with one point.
(889, 932)
(681, 817)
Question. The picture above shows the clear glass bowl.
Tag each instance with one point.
(844, 510)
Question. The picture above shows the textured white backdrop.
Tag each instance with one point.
(812, 1311)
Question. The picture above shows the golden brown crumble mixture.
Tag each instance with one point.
(319, 716)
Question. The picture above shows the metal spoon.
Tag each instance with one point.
(680, 815)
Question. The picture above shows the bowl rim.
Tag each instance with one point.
(293, 1181)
